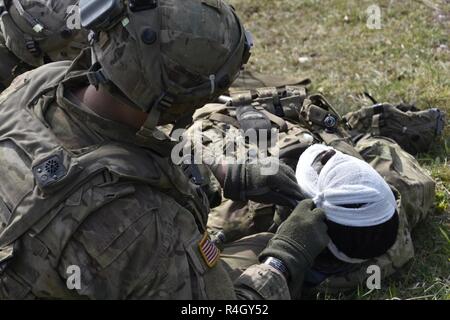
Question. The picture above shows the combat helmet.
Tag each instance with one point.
(42, 31)
(165, 55)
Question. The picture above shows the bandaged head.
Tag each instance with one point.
(358, 203)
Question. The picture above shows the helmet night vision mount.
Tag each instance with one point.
(100, 15)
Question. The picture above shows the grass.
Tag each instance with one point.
(407, 60)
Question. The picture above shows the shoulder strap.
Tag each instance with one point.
(279, 122)
(219, 117)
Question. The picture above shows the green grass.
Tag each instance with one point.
(407, 60)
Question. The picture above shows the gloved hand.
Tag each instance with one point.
(298, 242)
(247, 182)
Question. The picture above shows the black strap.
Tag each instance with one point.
(378, 109)
(322, 159)
(370, 97)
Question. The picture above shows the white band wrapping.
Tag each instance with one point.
(343, 181)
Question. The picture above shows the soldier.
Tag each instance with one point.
(37, 32)
(302, 121)
(87, 181)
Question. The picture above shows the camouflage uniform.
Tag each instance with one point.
(81, 190)
(412, 185)
(33, 33)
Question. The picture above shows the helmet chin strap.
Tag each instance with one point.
(148, 132)
(149, 128)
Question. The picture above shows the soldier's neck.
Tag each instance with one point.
(109, 107)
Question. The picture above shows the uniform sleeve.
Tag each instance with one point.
(145, 246)
(262, 282)
(133, 248)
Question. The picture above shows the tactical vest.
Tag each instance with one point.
(38, 175)
(283, 107)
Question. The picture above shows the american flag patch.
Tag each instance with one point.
(209, 251)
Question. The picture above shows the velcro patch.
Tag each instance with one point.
(209, 251)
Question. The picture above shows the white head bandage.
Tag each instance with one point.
(348, 189)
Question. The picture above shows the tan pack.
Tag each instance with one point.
(413, 130)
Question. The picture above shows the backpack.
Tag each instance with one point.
(415, 131)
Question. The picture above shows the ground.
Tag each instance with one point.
(406, 60)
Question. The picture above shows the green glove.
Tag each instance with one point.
(245, 182)
(280, 215)
(298, 242)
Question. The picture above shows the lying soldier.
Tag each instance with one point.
(303, 121)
